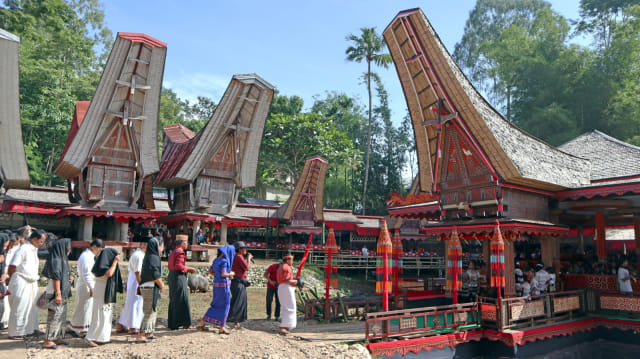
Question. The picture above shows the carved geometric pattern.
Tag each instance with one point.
(436, 320)
(628, 304)
(527, 310)
(566, 304)
(460, 317)
(408, 323)
(489, 312)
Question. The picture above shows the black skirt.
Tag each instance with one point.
(179, 309)
(238, 310)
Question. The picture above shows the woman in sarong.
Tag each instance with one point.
(151, 285)
(108, 282)
(240, 267)
(179, 309)
(59, 289)
(219, 309)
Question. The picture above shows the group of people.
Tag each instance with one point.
(229, 302)
(98, 280)
(531, 283)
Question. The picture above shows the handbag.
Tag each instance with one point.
(42, 300)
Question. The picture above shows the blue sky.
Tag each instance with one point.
(298, 46)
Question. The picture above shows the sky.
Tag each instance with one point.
(297, 46)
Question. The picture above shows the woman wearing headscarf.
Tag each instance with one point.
(179, 309)
(219, 308)
(150, 287)
(56, 269)
(108, 282)
(239, 283)
(10, 250)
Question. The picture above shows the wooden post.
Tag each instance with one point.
(550, 251)
(601, 237)
(509, 268)
(581, 240)
(87, 228)
(636, 228)
(223, 234)
(124, 231)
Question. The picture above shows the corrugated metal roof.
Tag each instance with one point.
(610, 158)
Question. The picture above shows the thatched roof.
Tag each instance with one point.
(610, 158)
(178, 142)
(39, 195)
(428, 75)
(241, 113)
(13, 162)
(338, 215)
(309, 188)
(128, 91)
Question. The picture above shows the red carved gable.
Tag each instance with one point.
(463, 166)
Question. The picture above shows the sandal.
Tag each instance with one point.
(53, 346)
(152, 337)
(224, 331)
(91, 343)
(141, 341)
(16, 338)
(202, 328)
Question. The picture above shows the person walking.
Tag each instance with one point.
(219, 307)
(23, 287)
(108, 283)
(287, 295)
(11, 249)
(239, 283)
(151, 286)
(58, 291)
(86, 281)
(179, 309)
(131, 315)
(271, 275)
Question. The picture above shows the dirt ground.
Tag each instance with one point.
(257, 338)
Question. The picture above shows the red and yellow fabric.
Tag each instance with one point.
(384, 251)
(497, 259)
(454, 266)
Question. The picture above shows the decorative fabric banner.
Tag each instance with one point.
(454, 266)
(384, 261)
(497, 259)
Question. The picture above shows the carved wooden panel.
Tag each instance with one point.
(95, 182)
(181, 196)
(525, 310)
(408, 323)
(489, 312)
(629, 304)
(566, 304)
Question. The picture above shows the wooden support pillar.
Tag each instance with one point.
(601, 237)
(124, 231)
(580, 240)
(87, 228)
(486, 252)
(223, 234)
(550, 251)
(636, 228)
(509, 268)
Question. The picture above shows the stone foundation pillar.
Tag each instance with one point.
(223, 234)
(124, 231)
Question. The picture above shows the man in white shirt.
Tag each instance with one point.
(131, 315)
(542, 279)
(79, 323)
(23, 286)
(624, 279)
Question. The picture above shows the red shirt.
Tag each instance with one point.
(240, 267)
(285, 273)
(177, 260)
(272, 270)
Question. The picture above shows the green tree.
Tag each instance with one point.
(486, 23)
(53, 78)
(368, 47)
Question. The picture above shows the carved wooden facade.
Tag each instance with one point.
(113, 148)
(305, 207)
(206, 170)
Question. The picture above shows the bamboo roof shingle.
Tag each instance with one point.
(241, 113)
(309, 192)
(14, 172)
(610, 158)
(128, 91)
(438, 92)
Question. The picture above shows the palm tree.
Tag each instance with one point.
(368, 47)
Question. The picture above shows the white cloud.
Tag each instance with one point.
(189, 86)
